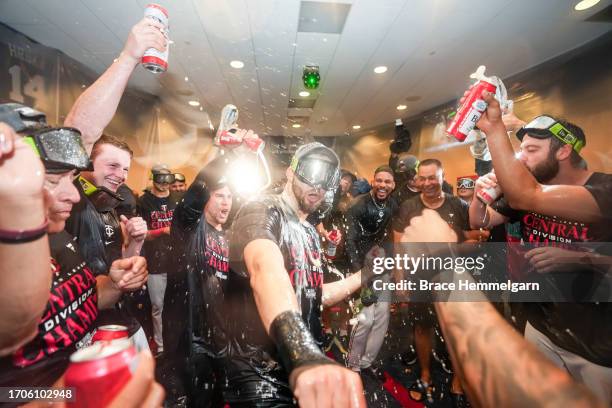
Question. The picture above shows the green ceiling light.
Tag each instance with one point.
(311, 77)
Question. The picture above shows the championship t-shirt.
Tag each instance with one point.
(581, 328)
(65, 325)
(157, 212)
(254, 369)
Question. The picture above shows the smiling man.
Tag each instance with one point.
(430, 178)
(367, 222)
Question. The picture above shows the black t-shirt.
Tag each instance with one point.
(95, 225)
(453, 210)
(65, 325)
(254, 364)
(403, 193)
(194, 310)
(128, 206)
(581, 328)
(367, 222)
(97, 229)
(157, 212)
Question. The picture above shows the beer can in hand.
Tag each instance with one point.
(470, 111)
(99, 372)
(489, 195)
(110, 332)
(154, 60)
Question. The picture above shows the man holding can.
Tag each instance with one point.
(551, 187)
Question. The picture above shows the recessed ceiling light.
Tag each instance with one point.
(296, 125)
(585, 4)
(237, 64)
(186, 78)
(356, 127)
(304, 94)
(401, 107)
(194, 103)
(380, 70)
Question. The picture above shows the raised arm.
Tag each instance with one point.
(97, 105)
(25, 271)
(521, 189)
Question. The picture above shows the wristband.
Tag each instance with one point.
(296, 346)
(23, 236)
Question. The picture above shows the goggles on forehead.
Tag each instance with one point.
(162, 178)
(465, 183)
(60, 149)
(547, 126)
(317, 173)
(179, 177)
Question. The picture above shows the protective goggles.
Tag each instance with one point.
(545, 126)
(162, 178)
(317, 173)
(465, 183)
(179, 177)
(101, 197)
(60, 149)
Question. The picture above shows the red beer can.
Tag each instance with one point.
(489, 195)
(470, 111)
(228, 138)
(154, 60)
(110, 332)
(99, 372)
(254, 143)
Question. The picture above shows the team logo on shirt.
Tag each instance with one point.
(109, 230)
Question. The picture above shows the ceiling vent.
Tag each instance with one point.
(302, 103)
(321, 17)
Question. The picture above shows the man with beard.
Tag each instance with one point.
(156, 207)
(367, 222)
(275, 293)
(575, 204)
(194, 315)
(454, 211)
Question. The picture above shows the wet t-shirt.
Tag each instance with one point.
(254, 369)
(453, 210)
(157, 212)
(581, 328)
(65, 325)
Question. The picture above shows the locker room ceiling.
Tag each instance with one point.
(429, 47)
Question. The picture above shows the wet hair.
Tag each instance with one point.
(555, 144)
(110, 140)
(429, 162)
